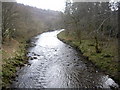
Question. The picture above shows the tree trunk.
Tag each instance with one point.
(119, 30)
(97, 45)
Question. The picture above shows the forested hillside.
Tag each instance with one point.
(21, 21)
(92, 27)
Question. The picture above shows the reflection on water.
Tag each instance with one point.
(54, 64)
(48, 40)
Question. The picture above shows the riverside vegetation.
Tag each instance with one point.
(105, 61)
(92, 27)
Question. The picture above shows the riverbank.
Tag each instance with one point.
(106, 61)
(13, 58)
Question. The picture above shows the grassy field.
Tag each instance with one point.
(106, 61)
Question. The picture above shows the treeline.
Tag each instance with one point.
(92, 20)
(22, 22)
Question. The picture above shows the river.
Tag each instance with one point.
(54, 64)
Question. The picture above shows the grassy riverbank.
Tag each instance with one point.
(107, 60)
(13, 57)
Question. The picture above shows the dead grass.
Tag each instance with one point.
(13, 56)
(9, 48)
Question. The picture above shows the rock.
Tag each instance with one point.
(107, 55)
(77, 65)
(68, 64)
(38, 55)
(32, 44)
(42, 63)
(35, 54)
(29, 64)
(16, 80)
(28, 52)
(16, 75)
(30, 58)
(86, 57)
(34, 57)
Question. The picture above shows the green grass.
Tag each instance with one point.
(106, 60)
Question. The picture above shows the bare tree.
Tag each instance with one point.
(9, 14)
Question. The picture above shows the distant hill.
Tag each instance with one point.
(19, 20)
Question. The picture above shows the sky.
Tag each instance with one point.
(57, 5)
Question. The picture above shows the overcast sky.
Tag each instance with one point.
(45, 4)
(57, 5)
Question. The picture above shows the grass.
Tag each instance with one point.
(10, 62)
(107, 60)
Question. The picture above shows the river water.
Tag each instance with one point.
(54, 64)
